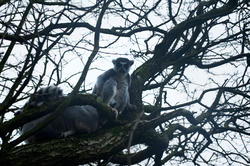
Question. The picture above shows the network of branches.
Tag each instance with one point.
(190, 82)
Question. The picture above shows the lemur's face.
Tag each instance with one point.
(122, 65)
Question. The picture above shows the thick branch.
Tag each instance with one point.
(72, 150)
(31, 114)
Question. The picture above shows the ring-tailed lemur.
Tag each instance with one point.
(112, 86)
(73, 120)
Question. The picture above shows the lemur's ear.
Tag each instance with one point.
(131, 62)
(114, 61)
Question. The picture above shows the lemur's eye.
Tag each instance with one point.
(118, 65)
(126, 65)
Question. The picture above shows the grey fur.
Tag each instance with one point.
(112, 86)
(44, 95)
(73, 120)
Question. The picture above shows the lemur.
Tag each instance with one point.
(112, 86)
(73, 120)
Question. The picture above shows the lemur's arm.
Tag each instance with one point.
(98, 88)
